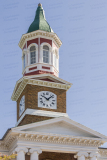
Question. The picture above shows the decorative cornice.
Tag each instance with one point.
(60, 139)
(96, 134)
(3, 147)
(103, 152)
(21, 87)
(16, 135)
(36, 34)
(24, 81)
(48, 76)
(94, 154)
(51, 138)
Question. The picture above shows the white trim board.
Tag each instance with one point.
(41, 113)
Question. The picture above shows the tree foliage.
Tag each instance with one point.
(7, 157)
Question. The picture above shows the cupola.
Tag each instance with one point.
(40, 47)
(40, 94)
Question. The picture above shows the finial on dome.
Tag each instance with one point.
(39, 4)
(39, 22)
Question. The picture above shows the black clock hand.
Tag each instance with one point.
(45, 97)
(49, 97)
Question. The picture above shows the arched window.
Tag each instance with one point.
(45, 54)
(32, 54)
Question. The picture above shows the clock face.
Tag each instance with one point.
(47, 99)
(22, 105)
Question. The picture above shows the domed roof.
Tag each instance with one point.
(40, 22)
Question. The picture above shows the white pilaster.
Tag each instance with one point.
(28, 53)
(39, 51)
(35, 153)
(81, 155)
(58, 60)
(25, 59)
(21, 153)
(50, 55)
(22, 64)
(41, 54)
(94, 155)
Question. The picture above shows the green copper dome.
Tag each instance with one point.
(40, 22)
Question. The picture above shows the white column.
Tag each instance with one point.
(28, 57)
(41, 54)
(25, 53)
(28, 54)
(39, 51)
(81, 155)
(25, 60)
(21, 151)
(94, 155)
(37, 54)
(22, 63)
(58, 60)
(35, 153)
(50, 55)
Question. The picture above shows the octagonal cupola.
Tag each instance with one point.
(40, 47)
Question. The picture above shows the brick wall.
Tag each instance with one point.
(31, 98)
(31, 119)
(54, 156)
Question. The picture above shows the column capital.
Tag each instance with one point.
(94, 154)
(18, 149)
(27, 50)
(81, 153)
(37, 150)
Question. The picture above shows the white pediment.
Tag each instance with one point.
(61, 126)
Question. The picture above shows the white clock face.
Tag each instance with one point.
(47, 99)
(22, 105)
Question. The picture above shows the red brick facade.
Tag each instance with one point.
(37, 72)
(32, 41)
(32, 118)
(31, 101)
(54, 156)
(46, 40)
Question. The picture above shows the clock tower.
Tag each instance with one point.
(43, 130)
(40, 94)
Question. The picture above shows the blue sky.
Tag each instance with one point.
(82, 28)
